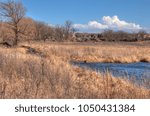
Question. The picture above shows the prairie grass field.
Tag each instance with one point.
(43, 70)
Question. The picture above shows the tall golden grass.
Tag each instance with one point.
(104, 52)
(49, 74)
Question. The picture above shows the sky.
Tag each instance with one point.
(92, 15)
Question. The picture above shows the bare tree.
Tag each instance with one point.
(43, 31)
(140, 34)
(59, 33)
(68, 29)
(12, 13)
(108, 35)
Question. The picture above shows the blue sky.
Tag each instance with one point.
(92, 14)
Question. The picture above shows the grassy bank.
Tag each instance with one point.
(104, 52)
(42, 70)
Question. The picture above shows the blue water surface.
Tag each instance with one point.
(137, 70)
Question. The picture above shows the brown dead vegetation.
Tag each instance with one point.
(43, 69)
(25, 74)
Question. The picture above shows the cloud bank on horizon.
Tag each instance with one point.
(113, 23)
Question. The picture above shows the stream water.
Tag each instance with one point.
(137, 70)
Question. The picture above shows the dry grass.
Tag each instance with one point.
(114, 53)
(48, 73)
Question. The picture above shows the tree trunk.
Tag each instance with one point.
(16, 35)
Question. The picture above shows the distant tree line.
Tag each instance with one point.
(15, 27)
(110, 35)
(45, 32)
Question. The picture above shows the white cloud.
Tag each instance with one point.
(91, 25)
(51, 25)
(108, 22)
(80, 26)
(96, 25)
(115, 22)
